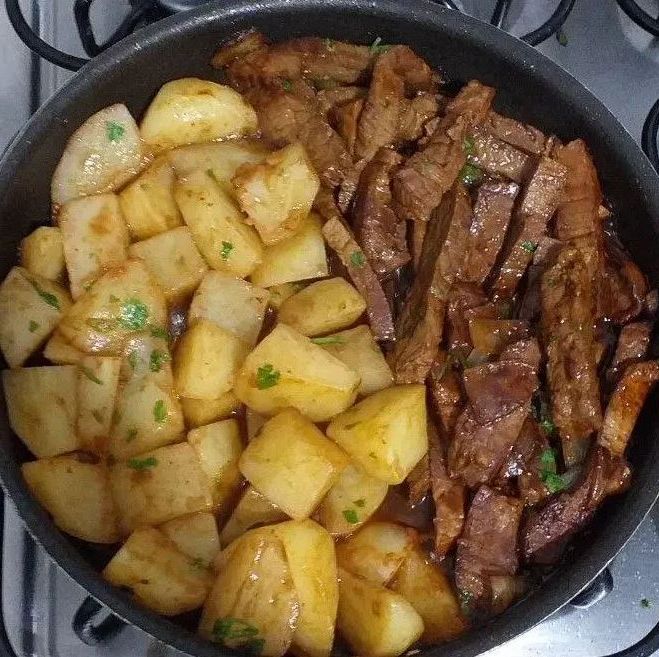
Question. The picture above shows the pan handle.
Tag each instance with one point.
(90, 632)
(649, 136)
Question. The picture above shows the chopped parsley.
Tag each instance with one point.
(328, 339)
(159, 332)
(357, 258)
(361, 503)
(159, 411)
(377, 47)
(645, 603)
(33, 326)
(553, 482)
(133, 315)
(351, 516)
(529, 246)
(548, 426)
(131, 435)
(236, 633)
(469, 146)
(227, 247)
(143, 464)
(158, 359)
(90, 375)
(548, 460)
(115, 131)
(267, 376)
(287, 85)
(470, 175)
(548, 472)
(561, 37)
(48, 297)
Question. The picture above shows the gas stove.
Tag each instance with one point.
(609, 45)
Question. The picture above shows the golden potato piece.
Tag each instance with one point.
(42, 408)
(279, 293)
(353, 499)
(100, 156)
(190, 111)
(60, 352)
(287, 369)
(160, 576)
(429, 591)
(297, 258)
(253, 605)
(148, 203)
(373, 620)
(174, 262)
(30, 308)
(386, 432)
(198, 412)
(277, 194)
(322, 307)
(77, 495)
(95, 238)
(292, 463)
(42, 253)
(195, 535)
(157, 486)
(207, 360)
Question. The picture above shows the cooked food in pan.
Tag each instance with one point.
(325, 352)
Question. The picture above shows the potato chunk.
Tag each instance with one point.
(174, 262)
(148, 415)
(198, 412)
(386, 432)
(195, 535)
(146, 353)
(252, 510)
(279, 293)
(60, 352)
(296, 258)
(287, 369)
(121, 302)
(376, 551)
(277, 194)
(157, 486)
(100, 156)
(190, 111)
(292, 463)
(94, 236)
(253, 605)
(232, 303)
(148, 203)
(42, 408)
(30, 308)
(322, 307)
(42, 253)
(160, 576)
(353, 499)
(207, 359)
(373, 620)
(98, 378)
(218, 226)
(77, 495)
(219, 446)
(429, 591)
(358, 349)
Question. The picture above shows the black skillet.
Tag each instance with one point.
(529, 87)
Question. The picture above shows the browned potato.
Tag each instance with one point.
(296, 480)
(279, 293)
(60, 352)
(42, 253)
(198, 412)
(160, 576)
(77, 495)
(195, 535)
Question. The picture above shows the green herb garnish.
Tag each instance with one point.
(133, 315)
(159, 332)
(236, 633)
(287, 85)
(49, 298)
(267, 376)
(548, 460)
(115, 131)
(377, 47)
(131, 435)
(227, 247)
(158, 359)
(529, 246)
(33, 326)
(160, 411)
(469, 146)
(548, 472)
(645, 603)
(561, 37)
(361, 503)
(351, 516)
(142, 464)
(328, 339)
(470, 175)
(90, 375)
(357, 258)
(553, 482)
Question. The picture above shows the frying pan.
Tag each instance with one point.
(529, 87)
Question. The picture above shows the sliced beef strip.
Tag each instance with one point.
(547, 530)
(632, 347)
(537, 204)
(567, 329)
(523, 351)
(345, 119)
(421, 324)
(490, 337)
(418, 481)
(517, 134)
(492, 212)
(328, 99)
(465, 298)
(246, 43)
(498, 158)
(544, 257)
(625, 405)
(488, 545)
(414, 116)
(445, 392)
(416, 231)
(377, 228)
(340, 238)
(419, 186)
